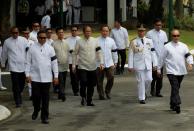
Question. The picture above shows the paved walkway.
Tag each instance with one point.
(121, 113)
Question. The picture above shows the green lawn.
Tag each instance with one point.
(187, 37)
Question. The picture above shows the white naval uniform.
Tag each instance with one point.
(141, 56)
(109, 51)
(174, 57)
(41, 61)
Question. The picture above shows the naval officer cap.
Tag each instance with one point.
(141, 27)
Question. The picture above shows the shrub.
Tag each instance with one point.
(186, 23)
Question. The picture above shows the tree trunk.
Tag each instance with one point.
(4, 18)
(156, 9)
(179, 11)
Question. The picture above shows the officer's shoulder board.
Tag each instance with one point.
(132, 42)
(148, 38)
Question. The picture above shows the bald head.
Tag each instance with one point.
(175, 35)
(175, 31)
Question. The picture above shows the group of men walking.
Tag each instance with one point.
(41, 61)
(149, 53)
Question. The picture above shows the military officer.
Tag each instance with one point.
(141, 56)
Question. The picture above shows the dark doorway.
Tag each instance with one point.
(117, 10)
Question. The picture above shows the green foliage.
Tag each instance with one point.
(186, 23)
(142, 11)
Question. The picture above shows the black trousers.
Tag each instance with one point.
(87, 81)
(74, 80)
(175, 82)
(18, 82)
(40, 98)
(156, 84)
(121, 63)
(109, 72)
(62, 82)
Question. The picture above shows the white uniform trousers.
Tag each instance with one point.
(69, 16)
(76, 12)
(144, 79)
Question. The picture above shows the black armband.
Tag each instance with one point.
(27, 48)
(187, 55)
(115, 50)
(98, 48)
(152, 49)
(53, 58)
(71, 51)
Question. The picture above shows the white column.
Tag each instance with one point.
(12, 13)
(123, 6)
(134, 6)
(110, 12)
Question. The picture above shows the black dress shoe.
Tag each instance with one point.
(45, 121)
(142, 101)
(108, 96)
(30, 98)
(83, 101)
(172, 108)
(101, 98)
(18, 105)
(117, 72)
(178, 109)
(152, 93)
(159, 95)
(63, 98)
(34, 115)
(122, 71)
(90, 104)
(76, 94)
(59, 97)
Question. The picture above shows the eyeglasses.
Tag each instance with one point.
(42, 38)
(175, 35)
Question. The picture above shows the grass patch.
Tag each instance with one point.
(187, 37)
